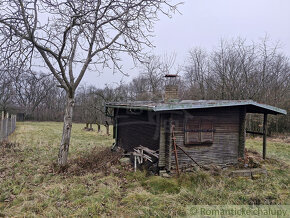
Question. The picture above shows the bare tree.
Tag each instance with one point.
(196, 72)
(89, 106)
(73, 36)
(52, 106)
(152, 72)
(31, 88)
(241, 70)
(6, 91)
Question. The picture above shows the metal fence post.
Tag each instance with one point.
(14, 123)
(6, 126)
(2, 127)
(11, 124)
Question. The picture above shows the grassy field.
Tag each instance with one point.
(29, 186)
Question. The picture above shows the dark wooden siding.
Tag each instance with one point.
(224, 148)
(165, 142)
(137, 128)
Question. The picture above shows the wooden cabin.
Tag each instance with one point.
(206, 131)
(209, 131)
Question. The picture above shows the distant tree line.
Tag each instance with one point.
(235, 70)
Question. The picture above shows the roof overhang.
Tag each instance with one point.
(252, 106)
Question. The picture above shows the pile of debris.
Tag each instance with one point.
(250, 166)
(97, 160)
(107, 161)
(252, 159)
(144, 156)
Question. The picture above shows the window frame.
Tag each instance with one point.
(199, 120)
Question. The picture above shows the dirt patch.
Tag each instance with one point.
(97, 160)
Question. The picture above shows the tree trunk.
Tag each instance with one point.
(67, 125)
(99, 127)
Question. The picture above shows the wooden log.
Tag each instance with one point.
(147, 150)
(264, 136)
(140, 156)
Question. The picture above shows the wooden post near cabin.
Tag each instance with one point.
(242, 132)
(161, 161)
(264, 136)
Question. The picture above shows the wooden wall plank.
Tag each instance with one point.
(224, 148)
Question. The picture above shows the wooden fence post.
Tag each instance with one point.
(264, 136)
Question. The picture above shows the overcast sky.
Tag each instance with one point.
(203, 23)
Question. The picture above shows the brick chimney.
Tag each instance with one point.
(171, 88)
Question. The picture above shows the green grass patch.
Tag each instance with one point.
(29, 186)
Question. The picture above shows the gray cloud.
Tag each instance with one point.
(204, 23)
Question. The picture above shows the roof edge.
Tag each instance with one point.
(187, 106)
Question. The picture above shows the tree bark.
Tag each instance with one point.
(107, 127)
(66, 134)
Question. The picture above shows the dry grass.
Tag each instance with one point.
(31, 186)
(98, 160)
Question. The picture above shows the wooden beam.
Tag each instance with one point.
(253, 132)
(264, 136)
(175, 148)
(242, 132)
(162, 141)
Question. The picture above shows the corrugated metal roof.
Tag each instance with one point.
(199, 104)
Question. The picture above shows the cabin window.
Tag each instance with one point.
(198, 131)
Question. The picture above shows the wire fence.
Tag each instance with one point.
(7, 126)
